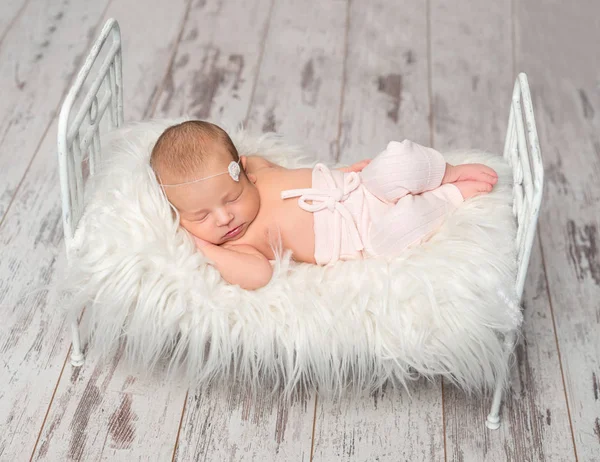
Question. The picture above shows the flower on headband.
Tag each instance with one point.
(234, 170)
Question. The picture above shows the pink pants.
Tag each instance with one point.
(397, 201)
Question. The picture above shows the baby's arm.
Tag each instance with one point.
(238, 264)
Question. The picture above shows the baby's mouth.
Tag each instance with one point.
(234, 232)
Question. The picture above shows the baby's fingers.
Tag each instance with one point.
(200, 242)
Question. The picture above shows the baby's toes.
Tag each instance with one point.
(482, 188)
(489, 171)
(471, 188)
(492, 179)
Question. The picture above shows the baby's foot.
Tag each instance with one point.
(470, 172)
(470, 189)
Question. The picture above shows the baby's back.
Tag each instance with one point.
(281, 217)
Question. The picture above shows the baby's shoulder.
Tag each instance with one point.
(257, 162)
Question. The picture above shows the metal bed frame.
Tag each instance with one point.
(79, 150)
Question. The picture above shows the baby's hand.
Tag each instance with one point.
(356, 167)
(200, 242)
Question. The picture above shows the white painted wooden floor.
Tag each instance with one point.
(341, 77)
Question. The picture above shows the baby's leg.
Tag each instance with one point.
(403, 168)
(412, 220)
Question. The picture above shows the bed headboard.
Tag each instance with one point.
(91, 106)
(522, 151)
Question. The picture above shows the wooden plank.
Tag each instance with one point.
(386, 91)
(384, 426)
(564, 81)
(226, 424)
(102, 412)
(9, 12)
(213, 77)
(32, 339)
(471, 102)
(299, 90)
(385, 98)
(215, 68)
(35, 340)
(475, 74)
(35, 70)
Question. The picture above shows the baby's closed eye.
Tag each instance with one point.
(200, 218)
(235, 198)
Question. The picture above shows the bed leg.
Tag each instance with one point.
(493, 419)
(76, 353)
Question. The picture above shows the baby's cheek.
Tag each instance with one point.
(187, 226)
(197, 230)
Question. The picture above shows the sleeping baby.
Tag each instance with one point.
(235, 206)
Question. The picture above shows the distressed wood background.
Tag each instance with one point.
(340, 77)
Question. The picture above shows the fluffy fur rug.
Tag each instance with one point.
(441, 309)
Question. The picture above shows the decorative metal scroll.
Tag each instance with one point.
(79, 136)
(522, 151)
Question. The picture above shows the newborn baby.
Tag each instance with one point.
(235, 207)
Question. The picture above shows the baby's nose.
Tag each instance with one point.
(224, 217)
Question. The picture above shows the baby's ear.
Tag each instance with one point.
(243, 159)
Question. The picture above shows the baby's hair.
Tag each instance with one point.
(186, 147)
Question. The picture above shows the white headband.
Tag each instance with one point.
(233, 169)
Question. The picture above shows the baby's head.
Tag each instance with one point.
(216, 209)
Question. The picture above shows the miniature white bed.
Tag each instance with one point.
(140, 279)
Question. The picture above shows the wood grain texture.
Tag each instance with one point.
(299, 88)
(10, 10)
(535, 422)
(226, 424)
(385, 98)
(471, 73)
(386, 95)
(386, 426)
(472, 86)
(564, 78)
(33, 341)
(214, 70)
(38, 59)
(36, 336)
(102, 412)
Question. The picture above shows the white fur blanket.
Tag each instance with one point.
(436, 310)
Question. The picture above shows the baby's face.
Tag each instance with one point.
(218, 209)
